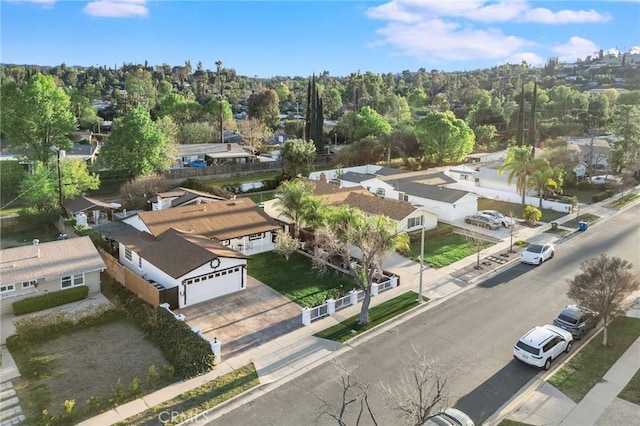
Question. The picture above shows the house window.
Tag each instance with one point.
(254, 237)
(7, 288)
(127, 254)
(380, 192)
(402, 196)
(139, 262)
(412, 222)
(225, 242)
(72, 280)
(28, 284)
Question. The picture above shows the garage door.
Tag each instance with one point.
(212, 285)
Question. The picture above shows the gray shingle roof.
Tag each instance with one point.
(49, 261)
(356, 177)
(430, 192)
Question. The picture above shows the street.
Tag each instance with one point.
(472, 335)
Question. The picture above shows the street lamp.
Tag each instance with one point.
(219, 66)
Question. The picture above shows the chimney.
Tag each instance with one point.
(228, 147)
(323, 177)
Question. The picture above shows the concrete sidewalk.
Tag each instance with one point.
(286, 357)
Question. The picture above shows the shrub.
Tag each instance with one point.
(95, 236)
(50, 300)
(531, 214)
(602, 195)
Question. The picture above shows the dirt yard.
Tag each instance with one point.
(91, 362)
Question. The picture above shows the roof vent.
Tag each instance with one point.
(35, 242)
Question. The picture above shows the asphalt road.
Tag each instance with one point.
(472, 335)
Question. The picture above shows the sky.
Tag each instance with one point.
(299, 38)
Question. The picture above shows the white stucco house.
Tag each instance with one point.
(180, 196)
(41, 268)
(197, 267)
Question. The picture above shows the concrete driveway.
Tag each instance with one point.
(245, 319)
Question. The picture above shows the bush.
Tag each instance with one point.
(95, 236)
(50, 300)
(531, 214)
(602, 195)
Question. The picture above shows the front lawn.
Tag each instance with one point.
(296, 279)
(377, 315)
(441, 249)
(515, 210)
(622, 201)
(631, 392)
(197, 401)
(581, 373)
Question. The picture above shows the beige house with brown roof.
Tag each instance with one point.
(48, 267)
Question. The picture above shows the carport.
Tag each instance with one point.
(245, 319)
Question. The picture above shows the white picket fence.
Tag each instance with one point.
(331, 306)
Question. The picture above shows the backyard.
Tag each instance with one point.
(15, 239)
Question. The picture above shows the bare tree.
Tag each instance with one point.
(420, 394)
(477, 242)
(254, 133)
(604, 285)
(285, 244)
(354, 395)
(422, 391)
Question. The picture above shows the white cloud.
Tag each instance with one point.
(576, 47)
(529, 57)
(45, 3)
(447, 41)
(546, 16)
(116, 8)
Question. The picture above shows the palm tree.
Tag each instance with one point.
(542, 178)
(295, 201)
(521, 164)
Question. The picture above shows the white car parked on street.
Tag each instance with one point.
(535, 254)
(541, 345)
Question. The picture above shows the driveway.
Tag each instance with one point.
(245, 319)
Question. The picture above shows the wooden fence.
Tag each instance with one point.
(136, 284)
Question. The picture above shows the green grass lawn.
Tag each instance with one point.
(377, 315)
(10, 210)
(296, 279)
(198, 400)
(622, 201)
(261, 196)
(631, 392)
(578, 376)
(507, 422)
(515, 210)
(15, 239)
(442, 249)
(587, 217)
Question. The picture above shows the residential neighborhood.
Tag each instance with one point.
(354, 227)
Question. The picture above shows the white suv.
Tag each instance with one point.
(541, 345)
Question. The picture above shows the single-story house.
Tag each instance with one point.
(179, 197)
(197, 267)
(592, 151)
(48, 267)
(239, 224)
(90, 210)
(212, 154)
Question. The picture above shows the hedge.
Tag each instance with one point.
(50, 300)
(186, 351)
(603, 195)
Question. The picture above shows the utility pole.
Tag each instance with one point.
(421, 259)
(219, 67)
(59, 182)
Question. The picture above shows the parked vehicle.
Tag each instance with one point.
(599, 180)
(535, 254)
(449, 417)
(541, 345)
(505, 221)
(197, 163)
(482, 220)
(576, 320)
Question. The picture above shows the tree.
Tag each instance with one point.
(314, 118)
(76, 179)
(520, 164)
(263, 106)
(297, 158)
(543, 177)
(626, 125)
(368, 123)
(603, 286)
(137, 191)
(254, 133)
(136, 145)
(37, 119)
(294, 199)
(374, 237)
(140, 88)
(444, 138)
(477, 242)
(285, 244)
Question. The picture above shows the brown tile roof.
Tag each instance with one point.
(222, 220)
(57, 259)
(194, 250)
(394, 209)
(332, 193)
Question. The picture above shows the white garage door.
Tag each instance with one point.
(215, 284)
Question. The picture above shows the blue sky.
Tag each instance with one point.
(298, 38)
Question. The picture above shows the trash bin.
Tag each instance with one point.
(583, 225)
(554, 226)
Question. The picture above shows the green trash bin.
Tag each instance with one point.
(554, 226)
